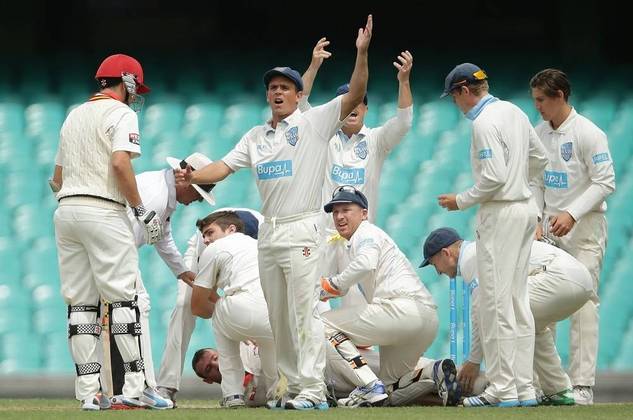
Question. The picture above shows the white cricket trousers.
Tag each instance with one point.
(97, 258)
(237, 318)
(505, 232)
(586, 241)
(555, 293)
(289, 264)
(146, 340)
(403, 328)
(181, 326)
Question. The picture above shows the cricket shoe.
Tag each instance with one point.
(152, 399)
(485, 400)
(532, 402)
(583, 395)
(445, 378)
(371, 395)
(301, 402)
(119, 402)
(233, 401)
(278, 403)
(565, 397)
(168, 393)
(96, 403)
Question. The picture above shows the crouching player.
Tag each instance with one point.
(558, 285)
(400, 316)
(230, 263)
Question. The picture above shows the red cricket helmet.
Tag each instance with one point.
(117, 64)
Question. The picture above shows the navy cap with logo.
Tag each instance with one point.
(436, 241)
(285, 72)
(343, 89)
(461, 75)
(346, 194)
(251, 224)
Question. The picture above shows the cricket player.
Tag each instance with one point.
(182, 322)
(578, 180)
(558, 285)
(400, 315)
(159, 191)
(94, 180)
(229, 263)
(507, 160)
(287, 156)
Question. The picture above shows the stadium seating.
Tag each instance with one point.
(191, 110)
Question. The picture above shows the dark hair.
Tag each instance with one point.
(550, 81)
(224, 219)
(197, 356)
(107, 82)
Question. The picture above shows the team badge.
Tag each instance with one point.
(135, 139)
(361, 149)
(565, 151)
(306, 251)
(292, 135)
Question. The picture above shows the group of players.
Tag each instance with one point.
(266, 279)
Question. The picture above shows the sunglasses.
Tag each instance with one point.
(204, 187)
(345, 188)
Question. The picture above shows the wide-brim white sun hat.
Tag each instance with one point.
(196, 161)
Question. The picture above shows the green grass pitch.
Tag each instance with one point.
(194, 409)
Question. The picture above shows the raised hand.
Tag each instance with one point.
(319, 54)
(364, 35)
(404, 65)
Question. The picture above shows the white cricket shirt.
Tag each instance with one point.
(379, 268)
(158, 193)
(88, 137)
(288, 161)
(506, 156)
(230, 264)
(579, 175)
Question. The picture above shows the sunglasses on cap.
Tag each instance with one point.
(345, 188)
(203, 187)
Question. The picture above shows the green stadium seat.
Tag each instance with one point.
(21, 353)
(205, 117)
(40, 264)
(44, 117)
(11, 118)
(161, 118)
(56, 354)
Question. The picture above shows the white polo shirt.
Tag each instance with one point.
(230, 264)
(288, 161)
(505, 155)
(579, 175)
(158, 193)
(358, 160)
(90, 134)
(379, 268)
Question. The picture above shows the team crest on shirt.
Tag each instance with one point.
(135, 139)
(565, 151)
(292, 135)
(361, 149)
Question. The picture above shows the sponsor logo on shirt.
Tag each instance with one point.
(555, 179)
(274, 169)
(306, 251)
(347, 176)
(135, 139)
(361, 149)
(600, 157)
(292, 135)
(565, 151)
(485, 154)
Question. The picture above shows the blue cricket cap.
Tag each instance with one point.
(251, 224)
(343, 89)
(346, 194)
(285, 72)
(436, 241)
(462, 74)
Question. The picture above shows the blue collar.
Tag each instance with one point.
(476, 110)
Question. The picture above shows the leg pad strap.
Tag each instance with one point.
(88, 368)
(90, 329)
(134, 366)
(133, 328)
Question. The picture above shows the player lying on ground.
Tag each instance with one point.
(558, 285)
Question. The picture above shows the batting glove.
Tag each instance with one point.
(328, 289)
(151, 222)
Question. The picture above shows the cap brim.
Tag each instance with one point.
(208, 196)
(141, 89)
(330, 206)
(424, 263)
(444, 95)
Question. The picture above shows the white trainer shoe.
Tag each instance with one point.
(583, 395)
(152, 399)
(445, 378)
(372, 395)
(233, 401)
(96, 403)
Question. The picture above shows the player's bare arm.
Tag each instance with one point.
(124, 173)
(318, 55)
(57, 180)
(404, 66)
(210, 174)
(358, 82)
(201, 304)
(448, 201)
